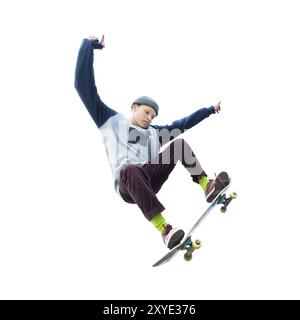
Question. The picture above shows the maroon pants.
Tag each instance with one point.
(140, 184)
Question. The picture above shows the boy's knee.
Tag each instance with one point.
(129, 170)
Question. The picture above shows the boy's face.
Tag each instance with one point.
(142, 115)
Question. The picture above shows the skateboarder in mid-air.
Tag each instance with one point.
(132, 146)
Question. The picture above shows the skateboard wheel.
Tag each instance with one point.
(223, 209)
(233, 195)
(197, 244)
(188, 256)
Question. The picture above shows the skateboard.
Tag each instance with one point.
(187, 243)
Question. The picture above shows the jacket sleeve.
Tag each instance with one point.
(169, 132)
(85, 83)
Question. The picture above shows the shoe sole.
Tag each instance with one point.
(175, 239)
(222, 181)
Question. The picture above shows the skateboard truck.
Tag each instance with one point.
(225, 201)
(190, 246)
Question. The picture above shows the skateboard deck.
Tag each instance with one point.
(187, 243)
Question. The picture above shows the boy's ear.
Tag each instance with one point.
(133, 107)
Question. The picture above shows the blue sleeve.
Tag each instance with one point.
(85, 83)
(169, 132)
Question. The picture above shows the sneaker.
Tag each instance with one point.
(214, 187)
(172, 236)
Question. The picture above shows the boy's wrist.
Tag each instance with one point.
(97, 45)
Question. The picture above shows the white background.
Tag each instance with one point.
(64, 233)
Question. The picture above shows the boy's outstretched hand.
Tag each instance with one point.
(218, 107)
(95, 38)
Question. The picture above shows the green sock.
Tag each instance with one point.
(203, 182)
(158, 221)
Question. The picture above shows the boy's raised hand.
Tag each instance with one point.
(218, 107)
(95, 38)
